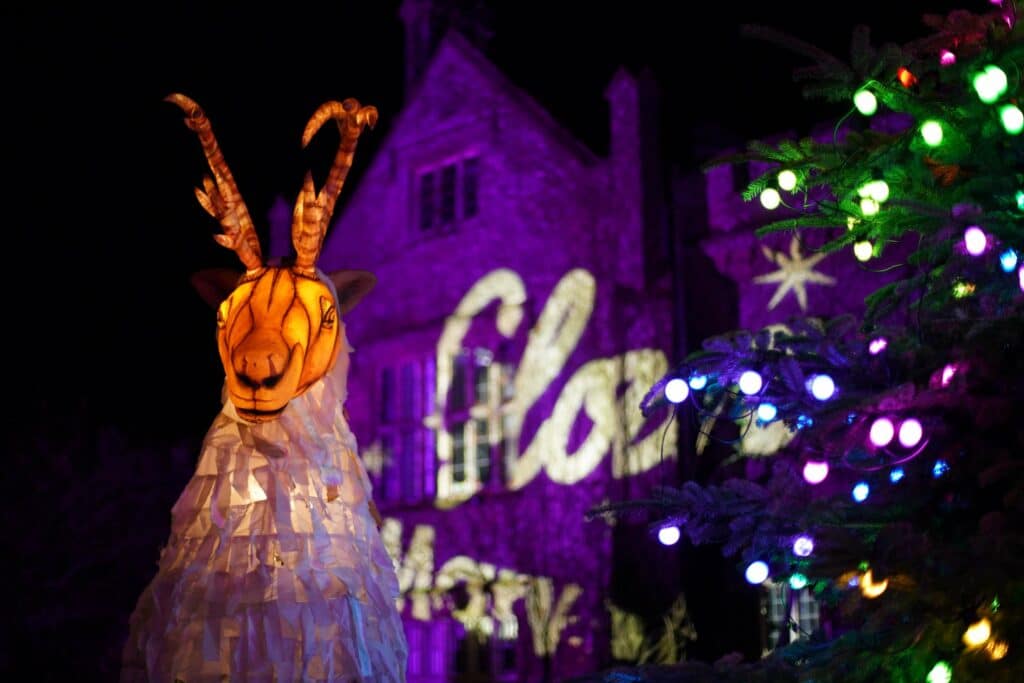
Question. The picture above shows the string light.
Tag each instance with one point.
(869, 207)
(822, 387)
(766, 412)
(947, 58)
(975, 240)
(978, 633)
(1008, 260)
(797, 581)
(668, 535)
(907, 79)
(940, 468)
(895, 474)
(931, 131)
(910, 433)
(770, 198)
(698, 382)
(1012, 118)
(865, 102)
(990, 83)
(881, 432)
(996, 649)
(750, 382)
(1020, 199)
(676, 390)
(757, 572)
(877, 345)
(963, 289)
(803, 546)
(815, 472)
(861, 491)
(871, 589)
(942, 672)
(863, 250)
(787, 180)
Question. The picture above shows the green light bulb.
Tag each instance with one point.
(940, 673)
(931, 131)
(990, 84)
(865, 102)
(1012, 118)
(787, 180)
(1020, 199)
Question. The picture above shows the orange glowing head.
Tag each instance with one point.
(279, 327)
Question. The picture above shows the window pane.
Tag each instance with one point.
(481, 383)
(457, 399)
(426, 201)
(470, 174)
(459, 451)
(483, 452)
(407, 392)
(446, 214)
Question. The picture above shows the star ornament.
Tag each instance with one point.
(795, 273)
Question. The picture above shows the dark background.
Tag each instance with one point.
(112, 375)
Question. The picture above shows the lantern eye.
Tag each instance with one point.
(222, 313)
(328, 316)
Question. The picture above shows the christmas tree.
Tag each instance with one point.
(897, 496)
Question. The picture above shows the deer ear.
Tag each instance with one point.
(214, 284)
(352, 286)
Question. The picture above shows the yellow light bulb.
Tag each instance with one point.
(977, 633)
(996, 649)
(870, 589)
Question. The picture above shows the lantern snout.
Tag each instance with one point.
(263, 375)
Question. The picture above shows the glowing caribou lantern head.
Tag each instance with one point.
(279, 328)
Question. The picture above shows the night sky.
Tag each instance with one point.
(101, 227)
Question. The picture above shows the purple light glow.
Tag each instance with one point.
(911, 432)
(975, 240)
(947, 374)
(947, 58)
(877, 345)
(815, 472)
(1020, 278)
(882, 431)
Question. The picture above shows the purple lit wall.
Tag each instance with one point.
(474, 176)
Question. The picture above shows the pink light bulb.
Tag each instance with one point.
(910, 433)
(815, 472)
(877, 345)
(882, 431)
(947, 58)
(948, 373)
(975, 240)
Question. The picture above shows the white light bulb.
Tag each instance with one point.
(668, 535)
(750, 382)
(787, 180)
(770, 198)
(822, 387)
(676, 390)
(757, 572)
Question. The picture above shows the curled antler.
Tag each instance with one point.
(313, 210)
(219, 195)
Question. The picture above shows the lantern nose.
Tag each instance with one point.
(261, 360)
